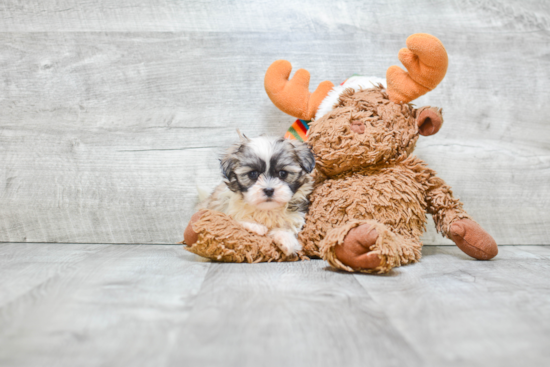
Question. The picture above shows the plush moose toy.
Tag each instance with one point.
(368, 209)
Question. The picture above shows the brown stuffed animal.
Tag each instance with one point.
(368, 209)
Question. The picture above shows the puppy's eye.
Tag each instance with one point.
(283, 174)
(253, 175)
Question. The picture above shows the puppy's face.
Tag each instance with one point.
(267, 171)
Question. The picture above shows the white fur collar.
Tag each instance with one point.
(355, 82)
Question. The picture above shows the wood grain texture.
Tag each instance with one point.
(117, 306)
(113, 112)
(266, 16)
(289, 314)
(157, 305)
(462, 310)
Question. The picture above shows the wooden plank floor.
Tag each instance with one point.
(157, 305)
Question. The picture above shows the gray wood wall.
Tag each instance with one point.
(112, 112)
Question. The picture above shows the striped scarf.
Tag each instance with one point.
(298, 130)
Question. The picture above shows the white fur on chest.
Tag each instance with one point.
(231, 203)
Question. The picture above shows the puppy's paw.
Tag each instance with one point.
(287, 241)
(254, 227)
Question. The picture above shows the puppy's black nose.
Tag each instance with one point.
(269, 192)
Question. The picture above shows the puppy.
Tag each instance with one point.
(266, 187)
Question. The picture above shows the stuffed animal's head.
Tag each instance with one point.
(362, 123)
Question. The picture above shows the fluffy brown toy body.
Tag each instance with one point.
(371, 197)
(367, 177)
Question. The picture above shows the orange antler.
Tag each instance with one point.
(293, 96)
(426, 61)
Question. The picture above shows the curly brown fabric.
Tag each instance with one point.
(444, 207)
(390, 132)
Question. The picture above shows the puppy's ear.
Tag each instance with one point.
(304, 154)
(228, 164)
(243, 137)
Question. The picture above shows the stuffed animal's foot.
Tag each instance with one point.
(286, 241)
(369, 247)
(473, 240)
(356, 251)
(190, 237)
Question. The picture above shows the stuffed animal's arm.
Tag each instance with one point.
(218, 237)
(442, 205)
(454, 223)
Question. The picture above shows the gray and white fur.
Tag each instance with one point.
(266, 186)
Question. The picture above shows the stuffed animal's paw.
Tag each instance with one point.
(473, 240)
(286, 241)
(256, 228)
(190, 237)
(356, 252)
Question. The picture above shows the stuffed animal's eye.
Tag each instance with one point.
(253, 175)
(283, 174)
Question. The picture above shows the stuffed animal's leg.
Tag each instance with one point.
(218, 237)
(368, 246)
(473, 240)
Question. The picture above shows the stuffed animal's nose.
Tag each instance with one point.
(269, 192)
(358, 127)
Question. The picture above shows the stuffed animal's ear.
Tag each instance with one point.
(429, 120)
(304, 154)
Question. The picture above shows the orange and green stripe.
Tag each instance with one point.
(298, 130)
